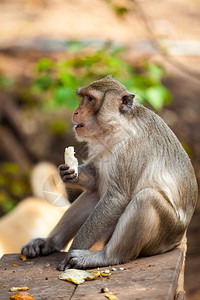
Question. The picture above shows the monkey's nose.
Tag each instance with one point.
(75, 113)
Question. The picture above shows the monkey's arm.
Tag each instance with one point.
(73, 194)
(103, 219)
(66, 228)
(84, 180)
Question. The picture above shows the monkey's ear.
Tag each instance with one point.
(126, 103)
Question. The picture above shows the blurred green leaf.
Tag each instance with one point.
(157, 96)
(17, 188)
(8, 204)
(43, 82)
(59, 126)
(75, 46)
(5, 81)
(187, 149)
(67, 79)
(44, 64)
(59, 83)
(155, 71)
(154, 97)
(2, 180)
(10, 168)
(62, 94)
(14, 185)
(120, 10)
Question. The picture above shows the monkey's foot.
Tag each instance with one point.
(37, 247)
(82, 259)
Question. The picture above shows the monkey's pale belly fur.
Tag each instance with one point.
(138, 186)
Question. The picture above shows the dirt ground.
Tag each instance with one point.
(80, 19)
(94, 19)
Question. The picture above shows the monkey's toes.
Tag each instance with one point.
(64, 265)
(78, 258)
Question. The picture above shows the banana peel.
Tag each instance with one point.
(79, 276)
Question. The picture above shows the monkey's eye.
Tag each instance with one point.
(90, 98)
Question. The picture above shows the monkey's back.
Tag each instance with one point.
(156, 159)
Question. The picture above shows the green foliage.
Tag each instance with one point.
(57, 82)
(187, 149)
(119, 10)
(5, 82)
(58, 126)
(44, 64)
(13, 186)
(43, 82)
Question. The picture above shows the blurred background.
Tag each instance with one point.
(48, 48)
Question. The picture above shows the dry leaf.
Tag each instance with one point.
(14, 265)
(78, 276)
(22, 296)
(20, 288)
(111, 297)
(23, 257)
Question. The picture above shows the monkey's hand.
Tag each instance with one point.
(67, 174)
(85, 180)
(39, 246)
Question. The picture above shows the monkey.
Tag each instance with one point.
(139, 188)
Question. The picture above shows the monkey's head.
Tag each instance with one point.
(104, 103)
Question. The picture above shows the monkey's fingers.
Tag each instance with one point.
(30, 251)
(63, 167)
(71, 178)
(33, 248)
(67, 172)
(37, 247)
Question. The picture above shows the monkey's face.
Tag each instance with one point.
(85, 116)
(104, 105)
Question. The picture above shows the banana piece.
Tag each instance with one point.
(70, 159)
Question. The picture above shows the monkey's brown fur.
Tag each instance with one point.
(139, 187)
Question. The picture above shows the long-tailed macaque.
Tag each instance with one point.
(139, 187)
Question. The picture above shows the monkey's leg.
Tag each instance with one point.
(66, 228)
(148, 225)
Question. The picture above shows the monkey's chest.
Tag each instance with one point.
(104, 175)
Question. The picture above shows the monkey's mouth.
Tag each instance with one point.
(79, 125)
